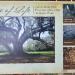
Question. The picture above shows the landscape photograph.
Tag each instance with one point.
(69, 13)
(69, 34)
(27, 39)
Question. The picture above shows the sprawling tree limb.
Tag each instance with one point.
(40, 30)
(26, 35)
(19, 24)
(13, 31)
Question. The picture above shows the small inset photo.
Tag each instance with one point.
(69, 13)
(69, 34)
(69, 57)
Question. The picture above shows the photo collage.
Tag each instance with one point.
(37, 38)
(69, 36)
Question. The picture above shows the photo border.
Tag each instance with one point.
(55, 10)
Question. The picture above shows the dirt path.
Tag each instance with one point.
(28, 59)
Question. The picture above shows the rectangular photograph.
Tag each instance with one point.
(69, 34)
(27, 39)
(69, 13)
(69, 57)
(30, 40)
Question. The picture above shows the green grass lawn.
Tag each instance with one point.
(43, 52)
(50, 53)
